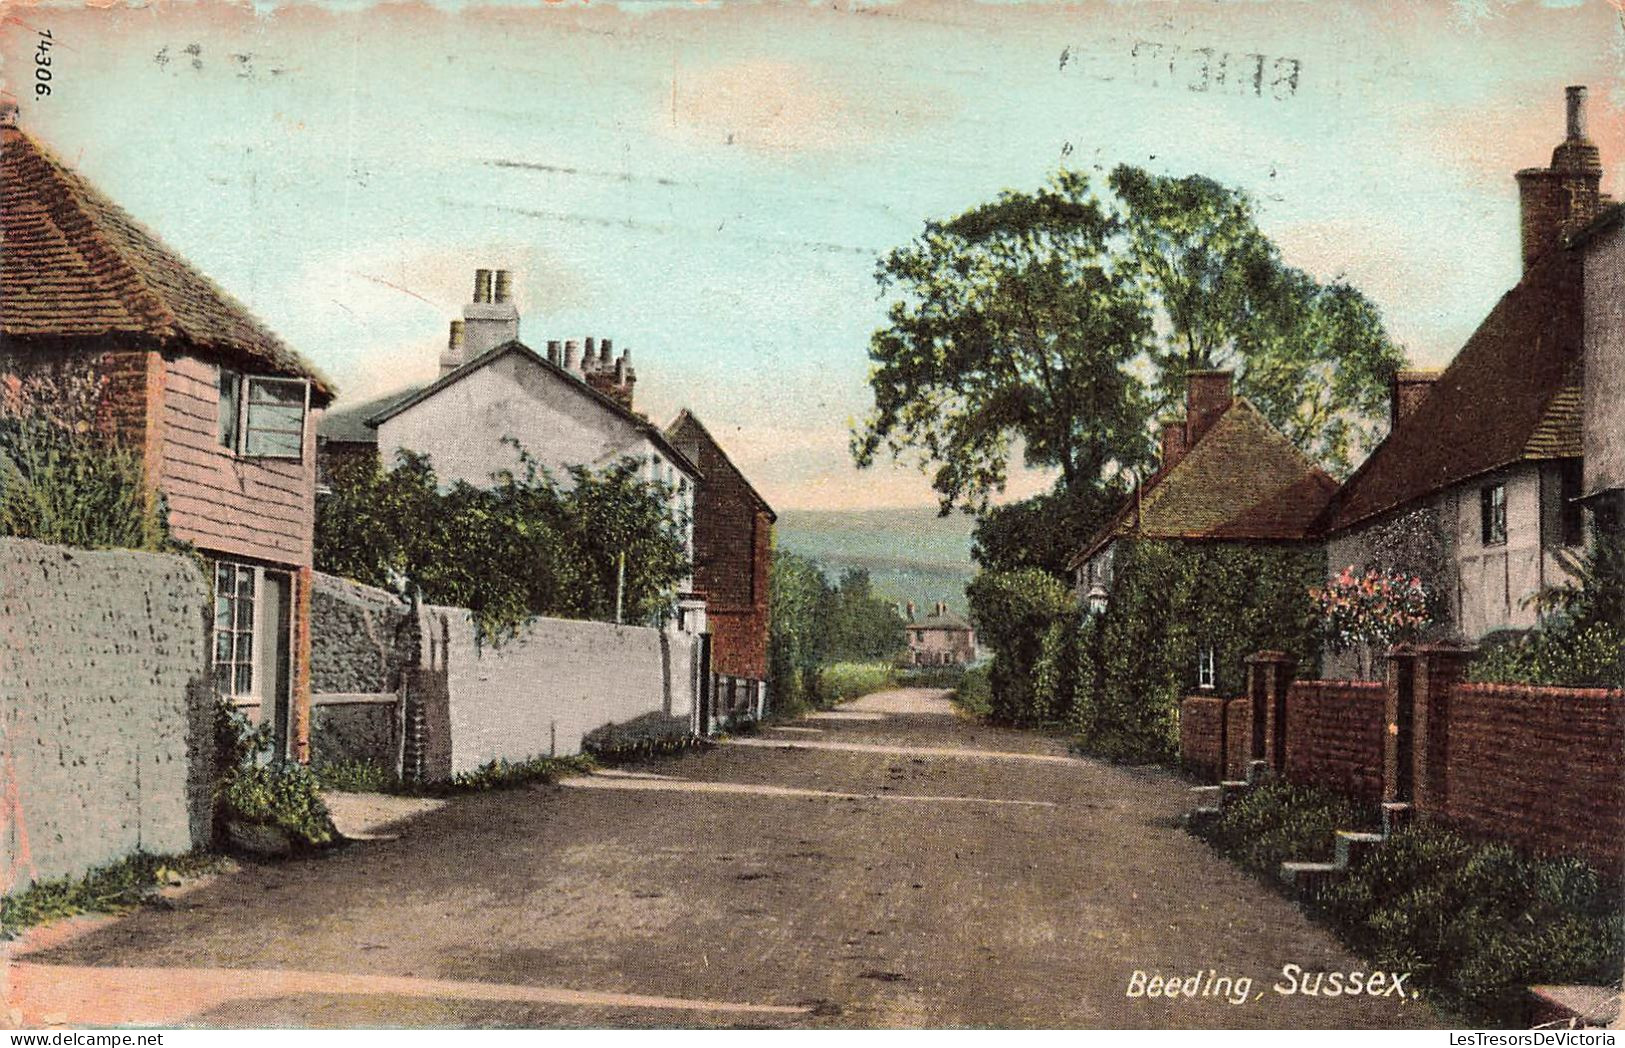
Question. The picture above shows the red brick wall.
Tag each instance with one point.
(1200, 720)
(1542, 768)
(733, 551)
(1335, 736)
(1238, 735)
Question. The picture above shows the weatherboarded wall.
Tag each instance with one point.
(539, 693)
(105, 719)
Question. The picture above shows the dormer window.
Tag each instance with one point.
(263, 416)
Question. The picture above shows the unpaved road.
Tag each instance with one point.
(887, 864)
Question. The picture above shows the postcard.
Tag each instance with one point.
(871, 514)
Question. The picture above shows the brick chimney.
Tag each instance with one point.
(491, 319)
(1173, 443)
(1207, 396)
(911, 610)
(453, 358)
(612, 377)
(1408, 389)
(1556, 201)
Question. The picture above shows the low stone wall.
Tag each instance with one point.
(541, 692)
(1334, 736)
(106, 723)
(1543, 768)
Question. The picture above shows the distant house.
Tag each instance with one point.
(563, 410)
(1227, 476)
(104, 327)
(733, 553)
(942, 638)
(1479, 484)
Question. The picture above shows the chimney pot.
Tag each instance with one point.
(911, 610)
(553, 351)
(1576, 95)
(482, 285)
(571, 348)
(504, 286)
(454, 340)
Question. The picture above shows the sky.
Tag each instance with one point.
(710, 184)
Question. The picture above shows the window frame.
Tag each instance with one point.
(236, 439)
(1207, 668)
(1492, 514)
(239, 662)
(1571, 531)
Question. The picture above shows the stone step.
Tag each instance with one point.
(1353, 845)
(1306, 876)
(1396, 815)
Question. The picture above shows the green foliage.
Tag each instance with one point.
(930, 676)
(1279, 822)
(651, 735)
(1475, 924)
(841, 681)
(813, 623)
(526, 545)
(508, 775)
(356, 776)
(975, 692)
(114, 888)
(1566, 655)
(1314, 358)
(279, 793)
(71, 488)
(1479, 923)
(1594, 592)
(1010, 322)
(1043, 531)
(1062, 322)
(1014, 610)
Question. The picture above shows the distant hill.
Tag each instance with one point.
(911, 554)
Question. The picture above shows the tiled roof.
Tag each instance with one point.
(1243, 479)
(394, 404)
(685, 422)
(348, 424)
(948, 620)
(1510, 394)
(76, 265)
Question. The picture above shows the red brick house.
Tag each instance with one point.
(733, 553)
(152, 353)
(942, 638)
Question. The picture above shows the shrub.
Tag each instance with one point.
(1279, 822)
(507, 775)
(279, 793)
(1479, 923)
(930, 676)
(651, 735)
(975, 692)
(71, 488)
(1565, 656)
(841, 681)
(357, 776)
(1475, 924)
(1015, 610)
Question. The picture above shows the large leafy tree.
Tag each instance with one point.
(1313, 357)
(1012, 328)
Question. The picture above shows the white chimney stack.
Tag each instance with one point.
(491, 319)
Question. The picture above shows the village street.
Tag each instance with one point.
(899, 865)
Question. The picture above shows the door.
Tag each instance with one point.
(273, 671)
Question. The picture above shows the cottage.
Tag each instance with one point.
(571, 407)
(1227, 478)
(1477, 488)
(733, 553)
(942, 638)
(104, 327)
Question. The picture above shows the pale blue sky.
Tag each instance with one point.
(709, 184)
